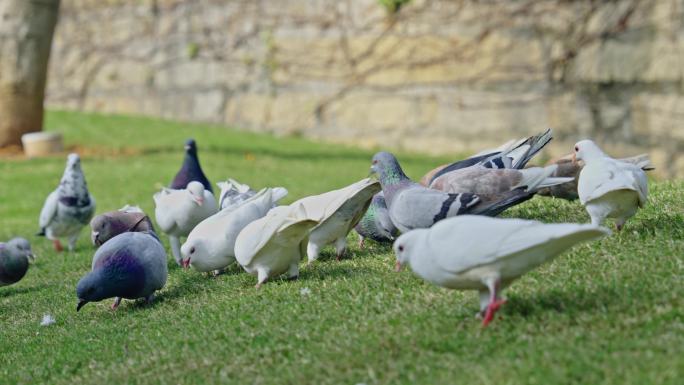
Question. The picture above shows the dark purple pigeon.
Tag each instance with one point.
(131, 265)
(190, 170)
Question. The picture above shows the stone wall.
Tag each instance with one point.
(439, 75)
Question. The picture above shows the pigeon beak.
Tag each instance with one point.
(198, 200)
(31, 257)
(185, 263)
(187, 148)
(93, 237)
(574, 158)
(81, 303)
(397, 266)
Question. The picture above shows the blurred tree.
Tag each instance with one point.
(26, 29)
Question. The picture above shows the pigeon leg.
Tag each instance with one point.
(293, 271)
(175, 249)
(58, 245)
(484, 301)
(72, 242)
(619, 224)
(149, 298)
(262, 276)
(494, 301)
(117, 302)
(312, 250)
(341, 247)
(362, 241)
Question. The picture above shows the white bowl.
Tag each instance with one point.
(42, 143)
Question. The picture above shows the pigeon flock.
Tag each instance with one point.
(444, 227)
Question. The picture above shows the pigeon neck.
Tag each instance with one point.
(392, 179)
(73, 184)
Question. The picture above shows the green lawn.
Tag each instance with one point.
(608, 312)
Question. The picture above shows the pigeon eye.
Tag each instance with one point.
(375, 161)
(192, 250)
(576, 148)
(401, 247)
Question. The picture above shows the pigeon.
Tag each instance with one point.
(478, 179)
(179, 211)
(211, 244)
(486, 254)
(514, 154)
(108, 225)
(609, 188)
(69, 208)
(130, 265)
(337, 212)
(568, 168)
(274, 244)
(15, 256)
(376, 223)
(190, 170)
(413, 206)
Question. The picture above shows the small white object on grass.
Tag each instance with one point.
(48, 320)
(305, 291)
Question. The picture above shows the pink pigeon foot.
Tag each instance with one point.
(491, 310)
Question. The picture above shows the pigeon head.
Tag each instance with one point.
(191, 147)
(386, 166)
(193, 249)
(196, 191)
(586, 150)
(90, 289)
(73, 162)
(106, 226)
(403, 247)
(20, 247)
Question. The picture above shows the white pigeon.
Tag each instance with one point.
(211, 244)
(471, 252)
(607, 187)
(69, 208)
(337, 212)
(179, 211)
(274, 244)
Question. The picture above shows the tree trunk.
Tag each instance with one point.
(26, 28)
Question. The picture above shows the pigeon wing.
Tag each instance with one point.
(49, 210)
(419, 207)
(610, 175)
(470, 241)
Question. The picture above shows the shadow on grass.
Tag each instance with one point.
(11, 290)
(563, 301)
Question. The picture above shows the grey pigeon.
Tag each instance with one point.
(130, 265)
(376, 223)
(412, 206)
(69, 208)
(108, 225)
(190, 170)
(511, 155)
(14, 260)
